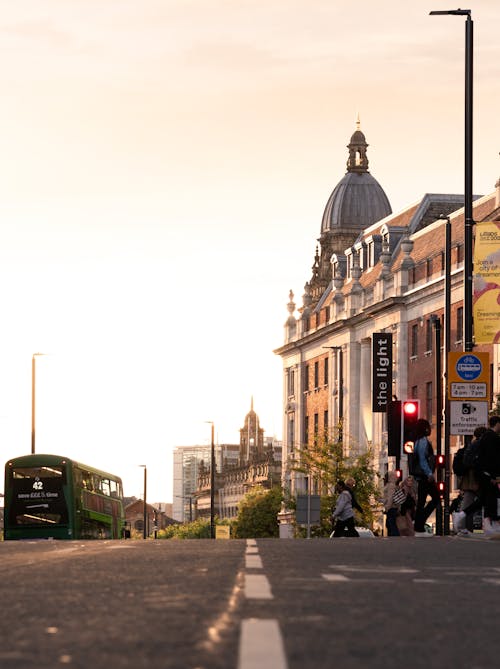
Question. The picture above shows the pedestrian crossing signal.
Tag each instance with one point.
(411, 412)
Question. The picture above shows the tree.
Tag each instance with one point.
(257, 514)
(326, 463)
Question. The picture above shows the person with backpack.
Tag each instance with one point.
(485, 459)
(424, 463)
(465, 467)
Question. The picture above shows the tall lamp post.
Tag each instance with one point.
(468, 263)
(33, 398)
(468, 332)
(144, 507)
(212, 480)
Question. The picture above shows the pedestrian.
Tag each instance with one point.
(407, 508)
(487, 469)
(349, 484)
(391, 507)
(343, 515)
(470, 484)
(424, 475)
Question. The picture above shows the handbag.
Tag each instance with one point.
(399, 496)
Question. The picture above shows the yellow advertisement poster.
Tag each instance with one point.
(486, 300)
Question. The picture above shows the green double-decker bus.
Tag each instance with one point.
(53, 497)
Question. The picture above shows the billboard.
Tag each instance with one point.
(486, 296)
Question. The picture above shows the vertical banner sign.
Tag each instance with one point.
(486, 299)
(381, 371)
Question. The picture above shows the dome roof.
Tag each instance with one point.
(358, 200)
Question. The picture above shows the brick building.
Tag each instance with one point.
(374, 272)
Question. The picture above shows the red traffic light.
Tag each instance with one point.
(440, 461)
(410, 408)
(399, 473)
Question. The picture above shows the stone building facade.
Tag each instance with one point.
(374, 272)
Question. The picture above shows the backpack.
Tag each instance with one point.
(414, 466)
(471, 455)
(458, 465)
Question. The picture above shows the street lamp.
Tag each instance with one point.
(33, 398)
(145, 512)
(212, 480)
(468, 264)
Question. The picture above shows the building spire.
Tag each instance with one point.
(357, 161)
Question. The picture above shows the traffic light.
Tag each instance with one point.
(394, 428)
(399, 474)
(410, 411)
(441, 486)
(440, 461)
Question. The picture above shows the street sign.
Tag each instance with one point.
(468, 375)
(466, 416)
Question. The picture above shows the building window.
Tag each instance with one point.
(327, 314)
(428, 335)
(325, 423)
(316, 428)
(291, 433)
(316, 375)
(460, 324)
(306, 431)
(306, 378)
(428, 401)
(325, 372)
(291, 382)
(460, 254)
(414, 340)
(428, 268)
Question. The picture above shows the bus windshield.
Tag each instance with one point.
(37, 496)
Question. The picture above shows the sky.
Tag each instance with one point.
(164, 166)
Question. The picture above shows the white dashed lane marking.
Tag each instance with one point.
(253, 562)
(261, 645)
(261, 641)
(257, 587)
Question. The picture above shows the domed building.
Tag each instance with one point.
(367, 327)
(357, 201)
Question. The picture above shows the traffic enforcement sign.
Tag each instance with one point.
(468, 375)
(466, 416)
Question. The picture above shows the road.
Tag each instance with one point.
(245, 604)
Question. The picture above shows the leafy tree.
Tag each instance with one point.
(327, 463)
(257, 514)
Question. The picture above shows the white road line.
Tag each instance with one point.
(253, 562)
(261, 645)
(251, 542)
(378, 569)
(257, 587)
(337, 578)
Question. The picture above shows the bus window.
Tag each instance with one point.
(115, 488)
(37, 496)
(105, 487)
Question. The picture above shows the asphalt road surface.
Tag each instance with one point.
(246, 604)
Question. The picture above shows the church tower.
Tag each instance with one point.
(251, 438)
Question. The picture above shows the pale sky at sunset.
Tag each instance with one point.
(164, 165)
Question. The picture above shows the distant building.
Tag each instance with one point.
(155, 518)
(258, 463)
(189, 461)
